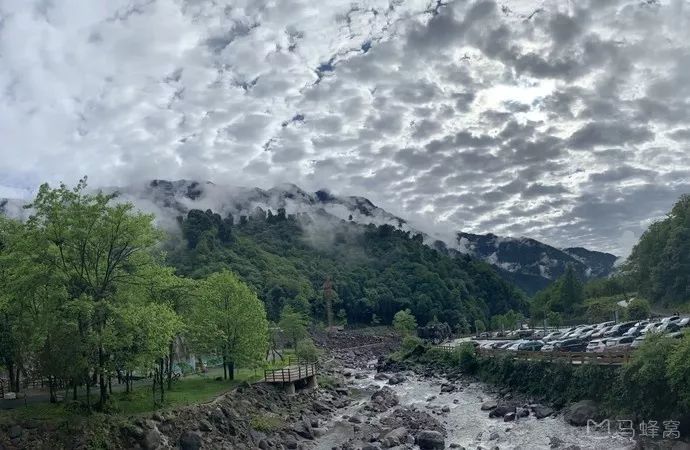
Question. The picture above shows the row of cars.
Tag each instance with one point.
(602, 337)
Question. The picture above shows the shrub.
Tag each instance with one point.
(267, 423)
(307, 351)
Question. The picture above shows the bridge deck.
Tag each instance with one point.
(290, 373)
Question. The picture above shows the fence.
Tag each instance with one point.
(602, 359)
(290, 373)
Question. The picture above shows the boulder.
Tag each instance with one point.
(501, 410)
(509, 417)
(523, 412)
(445, 409)
(396, 379)
(430, 440)
(447, 387)
(152, 439)
(395, 437)
(489, 405)
(541, 411)
(380, 376)
(356, 419)
(190, 441)
(579, 413)
(15, 432)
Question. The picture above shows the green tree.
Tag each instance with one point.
(554, 319)
(571, 293)
(294, 325)
(479, 326)
(229, 320)
(404, 322)
(638, 309)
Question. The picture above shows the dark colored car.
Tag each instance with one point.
(571, 345)
(620, 329)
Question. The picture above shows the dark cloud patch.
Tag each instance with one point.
(608, 133)
(682, 135)
(624, 172)
(535, 190)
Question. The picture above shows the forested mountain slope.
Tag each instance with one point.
(374, 270)
(659, 265)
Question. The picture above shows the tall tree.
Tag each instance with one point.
(95, 245)
(293, 324)
(228, 319)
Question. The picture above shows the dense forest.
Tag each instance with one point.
(367, 273)
(659, 266)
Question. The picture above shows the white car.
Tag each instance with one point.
(596, 346)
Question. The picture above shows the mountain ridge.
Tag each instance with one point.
(525, 262)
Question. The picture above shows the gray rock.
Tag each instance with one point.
(509, 417)
(493, 436)
(152, 439)
(501, 410)
(579, 413)
(446, 409)
(190, 441)
(395, 437)
(371, 447)
(15, 431)
(356, 419)
(541, 411)
(430, 440)
(380, 376)
(204, 425)
(396, 379)
(523, 412)
(488, 406)
(447, 387)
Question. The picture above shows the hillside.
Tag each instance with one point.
(533, 265)
(375, 270)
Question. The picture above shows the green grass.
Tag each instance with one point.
(190, 390)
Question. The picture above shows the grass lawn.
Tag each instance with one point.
(192, 389)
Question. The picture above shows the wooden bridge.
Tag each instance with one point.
(289, 377)
(600, 359)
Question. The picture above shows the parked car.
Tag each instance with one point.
(549, 346)
(636, 330)
(596, 345)
(484, 335)
(618, 330)
(603, 325)
(600, 333)
(538, 334)
(531, 346)
(587, 334)
(649, 328)
(670, 319)
(676, 335)
(667, 327)
(684, 322)
(621, 343)
(525, 333)
(638, 341)
(553, 336)
(571, 345)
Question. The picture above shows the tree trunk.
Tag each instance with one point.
(51, 389)
(10, 369)
(171, 350)
(225, 368)
(74, 390)
(153, 390)
(231, 369)
(101, 378)
(161, 375)
(110, 385)
(17, 379)
(88, 394)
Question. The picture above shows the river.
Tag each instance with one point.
(470, 427)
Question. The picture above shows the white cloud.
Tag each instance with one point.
(429, 111)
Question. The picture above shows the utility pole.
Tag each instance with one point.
(328, 297)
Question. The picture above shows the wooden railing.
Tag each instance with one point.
(603, 358)
(290, 373)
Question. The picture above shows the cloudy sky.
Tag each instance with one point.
(565, 121)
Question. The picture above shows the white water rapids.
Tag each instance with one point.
(467, 425)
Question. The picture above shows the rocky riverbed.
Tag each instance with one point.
(356, 407)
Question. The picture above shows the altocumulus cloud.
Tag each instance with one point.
(562, 120)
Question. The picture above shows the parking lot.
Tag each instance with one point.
(592, 338)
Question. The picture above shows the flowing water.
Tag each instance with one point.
(469, 426)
